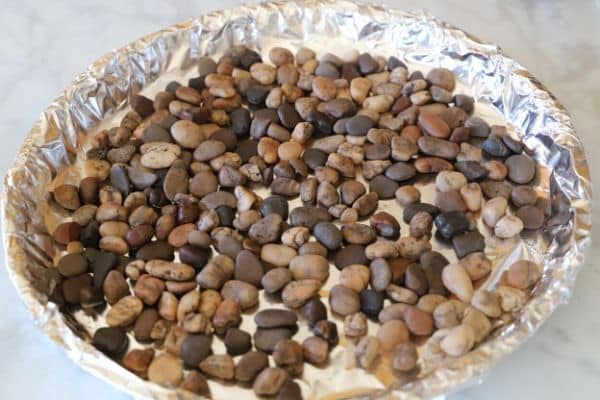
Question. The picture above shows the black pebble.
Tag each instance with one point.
(314, 311)
(240, 121)
(371, 302)
(237, 341)
(275, 204)
(322, 122)
(112, 341)
(451, 223)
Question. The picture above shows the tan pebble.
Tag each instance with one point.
(219, 366)
(355, 325)
(382, 249)
(167, 306)
(355, 277)
(391, 333)
(368, 352)
(458, 341)
(472, 196)
(522, 274)
(277, 254)
(405, 357)
(477, 265)
(263, 73)
(457, 281)
(408, 194)
(448, 314)
(289, 151)
(487, 302)
(478, 321)
(511, 299)
(270, 381)
(166, 370)
(170, 270)
(124, 312)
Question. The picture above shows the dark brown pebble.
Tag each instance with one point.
(350, 71)
(288, 116)
(433, 263)
(250, 365)
(285, 187)
(195, 256)
(478, 127)
(383, 186)
(195, 348)
(328, 234)
(314, 311)
(340, 108)
(308, 216)
(247, 149)
(464, 102)
(67, 232)
(139, 235)
(156, 133)
(290, 391)
(411, 209)
(219, 198)
(371, 302)
(274, 204)
(72, 265)
(226, 216)
(438, 147)
(144, 323)
(523, 195)
(142, 105)
(112, 341)
(227, 137)
(248, 268)
(322, 122)
(158, 249)
(237, 341)
(367, 64)
(103, 263)
(240, 121)
(229, 246)
(400, 171)
(88, 190)
(275, 318)
(386, 225)
(351, 190)
(472, 170)
(314, 158)
(72, 287)
(532, 217)
(350, 254)
(467, 243)
(266, 339)
(377, 151)
(415, 279)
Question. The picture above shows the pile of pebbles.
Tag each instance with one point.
(169, 241)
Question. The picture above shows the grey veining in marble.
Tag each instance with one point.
(45, 44)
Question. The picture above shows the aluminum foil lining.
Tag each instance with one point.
(505, 91)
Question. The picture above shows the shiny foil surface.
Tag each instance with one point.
(506, 94)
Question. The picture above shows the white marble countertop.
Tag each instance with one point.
(44, 44)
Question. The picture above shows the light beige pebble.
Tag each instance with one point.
(522, 274)
(263, 73)
(382, 249)
(392, 311)
(493, 210)
(196, 323)
(420, 98)
(295, 236)
(355, 325)
(124, 312)
(352, 151)
(508, 226)
(188, 303)
(277, 254)
(511, 299)
(359, 89)
(368, 352)
(302, 132)
(167, 306)
(188, 134)
(355, 277)
(477, 265)
(478, 321)
(166, 370)
(401, 294)
(449, 180)
(487, 302)
(458, 341)
(381, 103)
(458, 282)
(392, 333)
(399, 75)
(275, 98)
(411, 247)
(448, 314)
(472, 196)
(157, 155)
(309, 266)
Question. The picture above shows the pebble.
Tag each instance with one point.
(391, 333)
(457, 281)
(356, 233)
(288, 355)
(531, 216)
(112, 341)
(493, 210)
(269, 381)
(438, 147)
(309, 266)
(450, 224)
(237, 341)
(166, 370)
(495, 147)
(478, 127)
(170, 270)
(266, 339)
(350, 190)
(371, 302)
(477, 265)
(328, 234)
(315, 350)
(433, 125)
(248, 268)
(384, 187)
(400, 171)
(403, 149)
(250, 365)
(418, 322)
(194, 349)
(442, 77)
(407, 194)
(355, 277)
(308, 216)
(219, 366)
(314, 311)
(296, 293)
(522, 274)
(277, 255)
(458, 341)
(385, 225)
(359, 125)
(405, 357)
(275, 279)
(275, 318)
(450, 201)
(343, 301)
(487, 302)
(467, 243)
(523, 195)
(508, 226)
(449, 180)
(521, 168)
(245, 294)
(367, 352)
(138, 361)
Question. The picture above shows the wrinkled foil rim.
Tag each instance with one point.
(107, 83)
